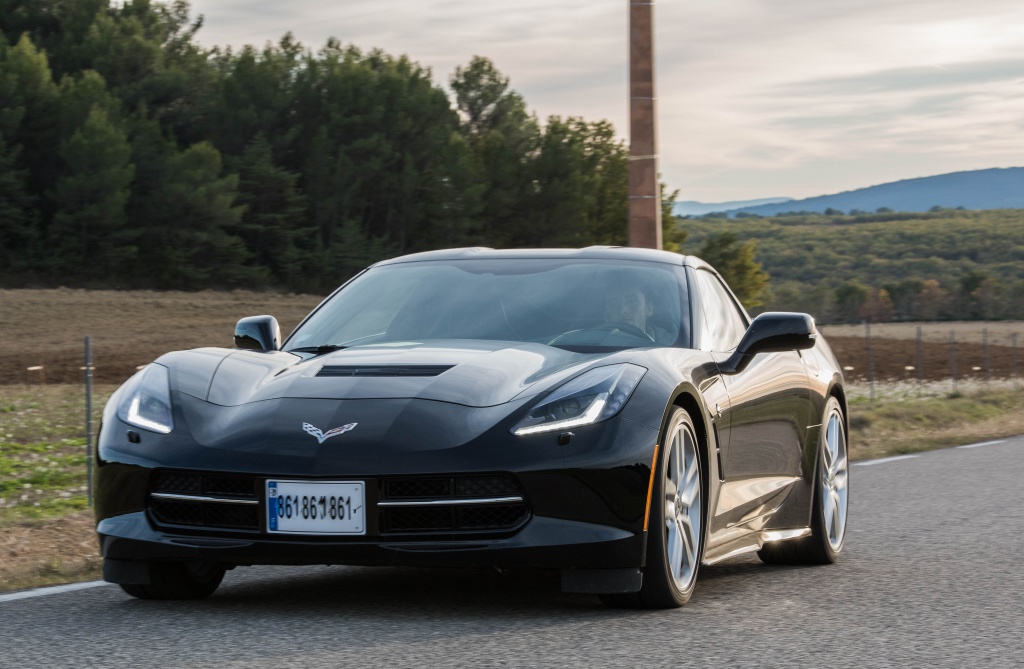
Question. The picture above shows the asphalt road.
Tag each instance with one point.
(931, 577)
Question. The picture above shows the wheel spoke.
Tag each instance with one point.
(837, 523)
(840, 479)
(689, 545)
(675, 548)
(689, 494)
(672, 482)
(678, 456)
(827, 451)
(828, 512)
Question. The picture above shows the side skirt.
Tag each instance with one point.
(760, 539)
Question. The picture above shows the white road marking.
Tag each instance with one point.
(984, 443)
(52, 590)
(879, 461)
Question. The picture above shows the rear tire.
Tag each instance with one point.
(830, 500)
(675, 538)
(178, 580)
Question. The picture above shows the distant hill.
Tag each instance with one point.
(979, 189)
(694, 208)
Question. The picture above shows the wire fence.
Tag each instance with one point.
(966, 359)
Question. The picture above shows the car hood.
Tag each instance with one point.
(470, 373)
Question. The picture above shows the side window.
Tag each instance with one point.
(723, 323)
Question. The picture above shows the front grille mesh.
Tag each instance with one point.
(456, 516)
(205, 514)
(490, 486)
(453, 518)
(416, 488)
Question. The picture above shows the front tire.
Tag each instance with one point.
(178, 580)
(831, 500)
(675, 539)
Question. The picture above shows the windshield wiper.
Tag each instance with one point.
(319, 350)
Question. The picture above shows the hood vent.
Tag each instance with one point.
(383, 370)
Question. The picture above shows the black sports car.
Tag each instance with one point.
(609, 412)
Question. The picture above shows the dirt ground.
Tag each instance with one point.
(55, 551)
(128, 329)
(46, 328)
(891, 357)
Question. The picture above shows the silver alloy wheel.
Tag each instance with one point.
(834, 480)
(682, 507)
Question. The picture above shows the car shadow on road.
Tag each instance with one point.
(471, 593)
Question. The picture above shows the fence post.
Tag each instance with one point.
(984, 345)
(952, 358)
(918, 362)
(88, 418)
(1013, 362)
(871, 360)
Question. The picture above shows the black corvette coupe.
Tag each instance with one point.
(612, 413)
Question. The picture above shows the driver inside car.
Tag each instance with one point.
(630, 306)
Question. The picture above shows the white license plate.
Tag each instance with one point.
(307, 507)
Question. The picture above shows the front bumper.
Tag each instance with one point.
(542, 542)
(586, 498)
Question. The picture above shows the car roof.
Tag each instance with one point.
(590, 252)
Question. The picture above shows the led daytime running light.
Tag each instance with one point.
(136, 418)
(596, 395)
(589, 417)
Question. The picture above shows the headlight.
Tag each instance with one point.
(147, 400)
(591, 397)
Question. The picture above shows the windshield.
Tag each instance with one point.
(581, 305)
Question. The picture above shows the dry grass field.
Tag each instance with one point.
(128, 329)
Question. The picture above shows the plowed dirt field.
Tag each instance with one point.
(46, 328)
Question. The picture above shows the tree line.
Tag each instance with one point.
(133, 157)
(944, 264)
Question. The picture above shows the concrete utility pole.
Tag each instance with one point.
(644, 194)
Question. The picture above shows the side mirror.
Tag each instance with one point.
(774, 331)
(258, 333)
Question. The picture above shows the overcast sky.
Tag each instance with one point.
(757, 98)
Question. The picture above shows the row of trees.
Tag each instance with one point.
(973, 297)
(898, 266)
(131, 156)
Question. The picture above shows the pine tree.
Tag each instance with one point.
(190, 244)
(90, 237)
(18, 233)
(273, 226)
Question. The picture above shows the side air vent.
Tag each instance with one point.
(383, 370)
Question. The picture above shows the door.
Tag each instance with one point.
(761, 429)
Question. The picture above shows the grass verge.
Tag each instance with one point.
(890, 426)
(48, 532)
(45, 525)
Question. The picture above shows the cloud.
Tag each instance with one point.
(756, 97)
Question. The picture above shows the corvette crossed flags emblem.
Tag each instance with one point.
(321, 436)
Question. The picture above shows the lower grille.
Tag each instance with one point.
(221, 501)
(451, 504)
(205, 514)
(453, 518)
